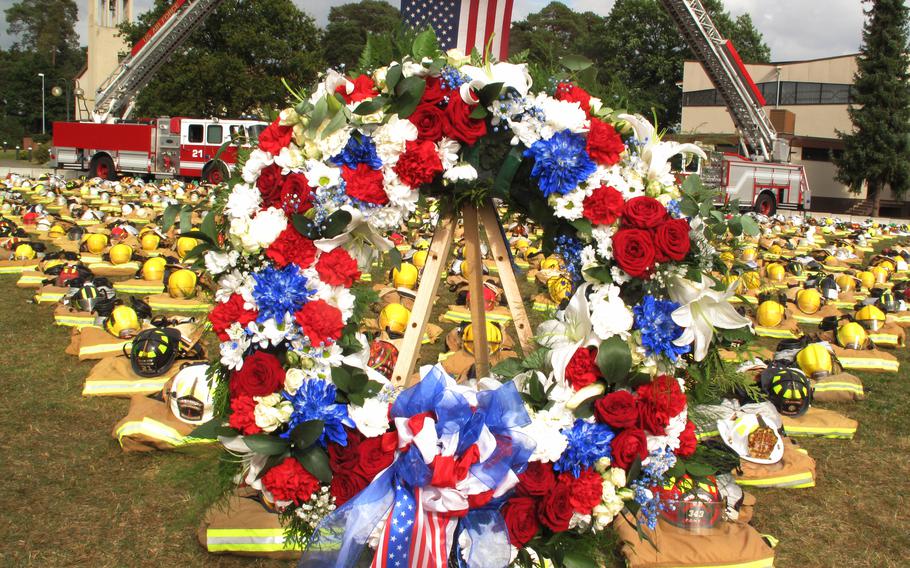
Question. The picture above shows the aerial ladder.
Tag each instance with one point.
(116, 97)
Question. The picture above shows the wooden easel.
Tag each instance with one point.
(437, 257)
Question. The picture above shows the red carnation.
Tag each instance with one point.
(604, 143)
(289, 481)
(629, 445)
(296, 194)
(365, 184)
(687, 441)
(261, 375)
(574, 94)
(618, 409)
(604, 206)
(460, 125)
(634, 252)
(520, 516)
(643, 213)
(242, 416)
(226, 313)
(337, 268)
(672, 240)
(586, 490)
(435, 92)
(364, 88)
(269, 184)
(275, 137)
(582, 369)
(419, 163)
(429, 120)
(320, 321)
(537, 480)
(291, 246)
(556, 510)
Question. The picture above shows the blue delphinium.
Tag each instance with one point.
(358, 151)
(658, 330)
(279, 292)
(652, 476)
(315, 400)
(587, 443)
(569, 249)
(560, 163)
(452, 78)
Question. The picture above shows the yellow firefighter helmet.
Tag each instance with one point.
(809, 300)
(494, 338)
(394, 318)
(95, 243)
(846, 283)
(405, 276)
(420, 258)
(559, 288)
(24, 252)
(815, 361)
(123, 322)
(153, 269)
(871, 317)
(182, 284)
(121, 253)
(185, 245)
(149, 241)
(770, 313)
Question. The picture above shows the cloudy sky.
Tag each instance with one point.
(795, 29)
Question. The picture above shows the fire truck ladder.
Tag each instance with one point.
(725, 73)
(116, 96)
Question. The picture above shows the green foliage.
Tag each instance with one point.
(359, 30)
(711, 379)
(877, 151)
(45, 27)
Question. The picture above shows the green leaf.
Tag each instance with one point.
(537, 360)
(198, 250)
(507, 171)
(336, 224)
(208, 227)
(489, 93)
(186, 219)
(425, 45)
(600, 273)
(316, 461)
(583, 226)
(266, 444)
(306, 433)
(576, 62)
(479, 112)
(750, 227)
(394, 258)
(576, 559)
(392, 76)
(211, 430)
(271, 462)
(614, 359)
(698, 469)
(198, 235)
(169, 216)
(341, 378)
(337, 122)
(508, 368)
(410, 90)
(317, 117)
(370, 106)
(303, 225)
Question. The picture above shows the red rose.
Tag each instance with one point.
(664, 393)
(643, 213)
(291, 246)
(275, 137)
(555, 510)
(634, 251)
(345, 485)
(261, 375)
(419, 163)
(460, 125)
(574, 94)
(289, 481)
(435, 92)
(375, 454)
(242, 416)
(687, 441)
(582, 369)
(587, 490)
(337, 268)
(269, 184)
(618, 409)
(344, 458)
(520, 516)
(226, 313)
(537, 480)
(653, 419)
(629, 444)
(320, 321)
(364, 184)
(672, 240)
(604, 143)
(429, 120)
(364, 88)
(604, 206)
(296, 194)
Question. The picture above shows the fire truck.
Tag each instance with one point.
(759, 177)
(108, 143)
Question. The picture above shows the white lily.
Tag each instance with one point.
(656, 153)
(701, 310)
(573, 328)
(359, 238)
(509, 74)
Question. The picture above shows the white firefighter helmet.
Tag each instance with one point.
(189, 395)
(754, 437)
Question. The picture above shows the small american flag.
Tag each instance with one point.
(465, 24)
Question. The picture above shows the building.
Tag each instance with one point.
(807, 102)
(105, 47)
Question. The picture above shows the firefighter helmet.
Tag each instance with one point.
(75, 233)
(770, 313)
(846, 283)
(182, 283)
(815, 360)
(394, 318)
(690, 505)
(190, 396)
(727, 258)
(829, 288)
(789, 390)
(185, 245)
(123, 322)
(560, 288)
(851, 335)
(149, 241)
(405, 276)
(775, 272)
(87, 297)
(24, 251)
(56, 232)
(552, 262)
(870, 317)
(886, 302)
(383, 356)
(154, 351)
(795, 268)
(121, 253)
(808, 300)
(751, 280)
(490, 298)
(748, 254)
(420, 258)
(880, 274)
(866, 278)
(153, 269)
(494, 338)
(95, 243)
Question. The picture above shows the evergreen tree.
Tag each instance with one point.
(877, 151)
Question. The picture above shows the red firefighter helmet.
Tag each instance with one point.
(490, 298)
(68, 273)
(383, 356)
(690, 505)
(30, 218)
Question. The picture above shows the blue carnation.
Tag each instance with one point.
(358, 151)
(587, 443)
(560, 163)
(658, 330)
(280, 292)
(315, 400)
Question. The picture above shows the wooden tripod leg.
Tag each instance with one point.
(490, 219)
(475, 287)
(423, 302)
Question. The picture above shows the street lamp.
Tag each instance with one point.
(57, 91)
(43, 127)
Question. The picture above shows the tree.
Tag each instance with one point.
(44, 26)
(234, 64)
(350, 24)
(877, 151)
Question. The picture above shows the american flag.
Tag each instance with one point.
(465, 24)
(413, 537)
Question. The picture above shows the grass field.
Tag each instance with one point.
(74, 499)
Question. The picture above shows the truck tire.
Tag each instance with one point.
(102, 166)
(765, 204)
(214, 173)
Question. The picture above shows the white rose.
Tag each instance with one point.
(290, 158)
(272, 411)
(456, 57)
(293, 380)
(371, 419)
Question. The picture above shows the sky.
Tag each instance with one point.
(794, 29)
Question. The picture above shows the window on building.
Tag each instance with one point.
(808, 93)
(821, 154)
(835, 94)
(787, 93)
(195, 133)
(215, 134)
(791, 93)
